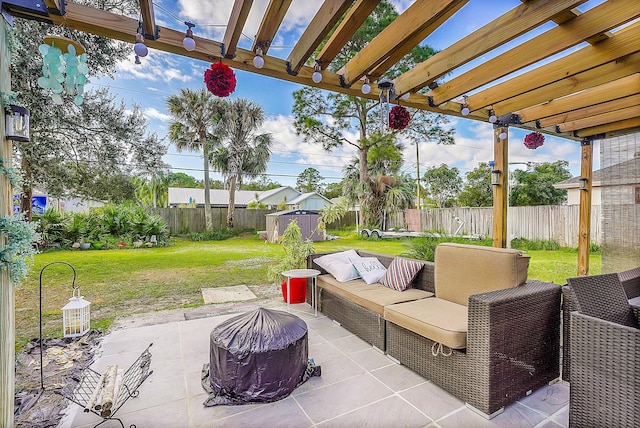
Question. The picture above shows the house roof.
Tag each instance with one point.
(617, 174)
(268, 193)
(181, 195)
(295, 211)
(305, 196)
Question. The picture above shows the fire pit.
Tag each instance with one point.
(260, 356)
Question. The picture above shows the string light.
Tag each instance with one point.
(140, 48)
(366, 87)
(492, 116)
(317, 75)
(465, 107)
(258, 60)
(188, 43)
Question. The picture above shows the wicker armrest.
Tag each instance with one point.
(605, 380)
(516, 319)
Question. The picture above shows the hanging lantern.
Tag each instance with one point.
(64, 68)
(76, 315)
(17, 123)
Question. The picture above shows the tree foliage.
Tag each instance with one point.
(196, 127)
(243, 152)
(325, 118)
(310, 180)
(91, 150)
(442, 184)
(535, 185)
(477, 190)
(180, 179)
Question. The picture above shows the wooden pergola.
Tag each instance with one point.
(592, 92)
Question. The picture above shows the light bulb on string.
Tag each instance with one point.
(258, 60)
(492, 117)
(503, 135)
(188, 43)
(366, 87)
(465, 107)
(317, 75)
(140, 48)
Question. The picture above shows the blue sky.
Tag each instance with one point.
(161, 75)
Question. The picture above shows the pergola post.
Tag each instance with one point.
(7, 305)
(584, 226)
(501, 188)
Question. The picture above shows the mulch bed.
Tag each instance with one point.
(63, 362)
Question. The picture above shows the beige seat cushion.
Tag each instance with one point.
(462, 270)
(374, 297)
(436, 319)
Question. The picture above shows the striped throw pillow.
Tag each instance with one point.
(400, 273)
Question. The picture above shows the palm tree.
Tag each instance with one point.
(386, 189)
(195, 128)
(244, 152)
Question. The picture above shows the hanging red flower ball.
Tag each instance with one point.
(220, 79)
(399, 118)
(533, 140)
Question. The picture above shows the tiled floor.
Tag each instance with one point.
(359, 387)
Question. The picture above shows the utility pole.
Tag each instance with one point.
(418, 187)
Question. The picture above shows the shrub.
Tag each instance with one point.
(424, 248)
(215, 235)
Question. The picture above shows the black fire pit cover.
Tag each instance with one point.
(260, 356)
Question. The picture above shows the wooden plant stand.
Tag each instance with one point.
(132, 378)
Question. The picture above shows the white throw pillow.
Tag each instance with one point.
(369, 268)
(339, 265)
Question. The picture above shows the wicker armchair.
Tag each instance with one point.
(605, 354)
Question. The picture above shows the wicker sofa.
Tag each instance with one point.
(512, 343)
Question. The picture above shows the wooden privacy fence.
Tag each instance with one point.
(189, 220)
(557, 223)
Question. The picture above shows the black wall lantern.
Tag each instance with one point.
(495, 177)
(582, 183)
(17, 123)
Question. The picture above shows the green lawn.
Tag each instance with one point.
(125, 281)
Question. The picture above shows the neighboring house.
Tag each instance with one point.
(617, 178)
(40, 202)
(292, 199)
(219, 197)
(309, 201)
(271, 198)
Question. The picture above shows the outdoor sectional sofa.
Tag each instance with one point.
(470, 322)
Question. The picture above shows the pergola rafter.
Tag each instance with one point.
(322, 23)
(238, 18)
(498, 32)
(419, 17)
(271, 21)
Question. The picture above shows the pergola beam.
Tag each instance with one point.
(595, 21)
(608, 91)
(612, 70)
(353, 19)
(148, 19)
(625, 42)
(582, 118)
(418, 17)
(601, 119)
(401, 50)
(503, 29)
(270, 24)
(238, 18)
(628, 124)
(322, 23)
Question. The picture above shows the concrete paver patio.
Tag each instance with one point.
(359, 386)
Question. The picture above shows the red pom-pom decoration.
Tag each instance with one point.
(534, 140)
(399, 118)
(220, 80)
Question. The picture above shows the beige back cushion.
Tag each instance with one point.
(463, 270)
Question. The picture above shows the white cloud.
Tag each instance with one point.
(158, 66)
(153, 113)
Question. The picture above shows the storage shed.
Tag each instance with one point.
(307, 221)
